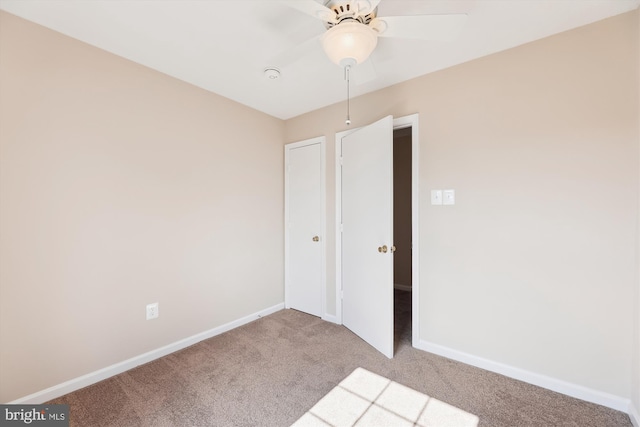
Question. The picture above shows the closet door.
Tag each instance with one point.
(304, 226)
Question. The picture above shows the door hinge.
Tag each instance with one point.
(341, 294)
(341, 161)
(341, 228)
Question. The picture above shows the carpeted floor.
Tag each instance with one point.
(271, 371)
(365, 399)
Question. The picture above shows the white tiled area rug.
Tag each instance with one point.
(365, 399)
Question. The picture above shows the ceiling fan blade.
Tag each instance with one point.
(311, 8)
(423, 27)
(296, 53)
(367, 6)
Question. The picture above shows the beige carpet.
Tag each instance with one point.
(365, 399)
(271, 371)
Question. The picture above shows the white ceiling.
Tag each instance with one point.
(224, 45)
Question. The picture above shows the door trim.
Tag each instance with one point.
(398, 123)
(321, 140)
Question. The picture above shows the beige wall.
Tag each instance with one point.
(121, 186)
(535, 266)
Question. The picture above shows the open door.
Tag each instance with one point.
(367, 234)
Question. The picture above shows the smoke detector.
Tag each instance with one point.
(271, 73)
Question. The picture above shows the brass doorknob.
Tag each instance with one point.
(316, 239)
(393, 248)
(382, 249)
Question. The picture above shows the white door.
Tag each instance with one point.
(367, 234)
(304, 239)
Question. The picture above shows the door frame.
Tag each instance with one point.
(321, 140)
(398, 123)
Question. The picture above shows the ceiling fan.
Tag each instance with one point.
(353, 27)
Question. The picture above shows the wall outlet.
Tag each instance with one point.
(152, 311)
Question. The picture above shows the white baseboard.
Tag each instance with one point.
(330, 318)
(560, 386)
(400, 287)
(634, 415)
(104, 373)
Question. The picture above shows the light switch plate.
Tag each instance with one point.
(436, 197)
(448, 197)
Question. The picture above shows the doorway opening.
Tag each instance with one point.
(402, 236)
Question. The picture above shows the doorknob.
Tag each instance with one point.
(393, 248)
(382, 249)
(316, 239)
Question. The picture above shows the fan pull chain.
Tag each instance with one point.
(347, 70)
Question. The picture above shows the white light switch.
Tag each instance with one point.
(449, 197)
(436, 197)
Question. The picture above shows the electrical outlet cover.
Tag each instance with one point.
(152, 311)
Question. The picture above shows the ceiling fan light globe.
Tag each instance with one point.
(350, 40)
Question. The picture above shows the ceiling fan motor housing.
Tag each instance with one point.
(346, 10)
